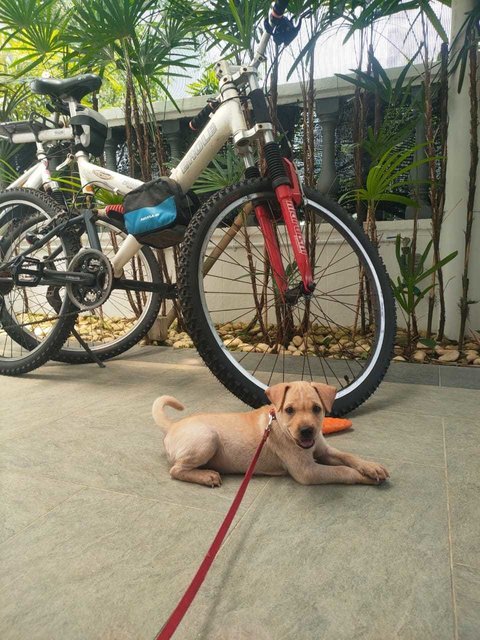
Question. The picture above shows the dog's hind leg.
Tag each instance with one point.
(208, 477)
(190, 449)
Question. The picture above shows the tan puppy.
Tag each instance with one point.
(202, 446)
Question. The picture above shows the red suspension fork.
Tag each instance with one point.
(265, 223)
(288, 197)
(287, 206)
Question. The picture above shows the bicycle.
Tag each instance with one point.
(258, 262)
(107, 330)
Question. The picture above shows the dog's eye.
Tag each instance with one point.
(290, 411)
(317, 408)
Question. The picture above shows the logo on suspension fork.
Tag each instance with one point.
(297, 232)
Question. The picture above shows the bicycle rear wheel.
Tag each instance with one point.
(31, 331)
(127, 316)
(342, 335)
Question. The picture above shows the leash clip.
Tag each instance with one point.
(271, 417)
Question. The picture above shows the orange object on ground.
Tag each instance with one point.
(332, 425)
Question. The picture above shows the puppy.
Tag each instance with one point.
(203, 446)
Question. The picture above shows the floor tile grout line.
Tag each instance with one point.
(467, 566)
(86, 487)
(118, 493)
(196, 365)
(163, 500)
(450, 540)
(48, 422)
(43, 515)
(438, 383)
(83, 488)
(236, 524)
(396, 412)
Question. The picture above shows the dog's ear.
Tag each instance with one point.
(277, 393)
(326, 393)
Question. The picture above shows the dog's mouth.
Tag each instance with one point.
(305, 443)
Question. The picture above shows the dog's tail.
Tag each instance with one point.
(158, 413)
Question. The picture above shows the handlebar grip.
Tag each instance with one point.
(279, 8)
(201, 118)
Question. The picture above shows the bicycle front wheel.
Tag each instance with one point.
(249, 338)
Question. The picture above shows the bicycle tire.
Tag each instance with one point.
(26, 351)
(217, 214)
(73, 353)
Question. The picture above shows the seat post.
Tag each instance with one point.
(72, 106)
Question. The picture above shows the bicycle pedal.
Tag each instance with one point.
(28, 272)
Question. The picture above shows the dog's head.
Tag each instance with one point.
(300, 408)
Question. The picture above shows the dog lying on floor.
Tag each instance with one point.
(201, 447)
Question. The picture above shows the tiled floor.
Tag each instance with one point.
(97, 543)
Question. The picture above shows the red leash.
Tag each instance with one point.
(181, 609)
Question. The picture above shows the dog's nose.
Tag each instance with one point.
(306, 432)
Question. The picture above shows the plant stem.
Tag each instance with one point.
(471, 188)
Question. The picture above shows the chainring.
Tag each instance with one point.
(91, 261)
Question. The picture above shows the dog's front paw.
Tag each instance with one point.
(374, 471)
(211, 478)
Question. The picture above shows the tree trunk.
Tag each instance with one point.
(437, 185)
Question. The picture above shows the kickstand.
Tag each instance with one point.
(92, 355)
(53, 298)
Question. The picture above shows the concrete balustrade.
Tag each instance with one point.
(328, 95)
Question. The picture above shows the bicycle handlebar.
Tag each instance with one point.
(274, 21)
(202, 117)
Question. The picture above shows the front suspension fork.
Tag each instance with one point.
(288, 196)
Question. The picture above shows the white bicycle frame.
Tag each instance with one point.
(228, 121)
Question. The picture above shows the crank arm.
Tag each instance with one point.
(168, 291)
(51, 277)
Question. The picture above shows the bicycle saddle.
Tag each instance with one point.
(76, 87)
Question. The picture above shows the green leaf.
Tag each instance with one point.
(428, 342)
(438, 265)
(394, 197)
(432, 16)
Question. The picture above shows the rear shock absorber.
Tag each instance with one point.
(59, 197)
